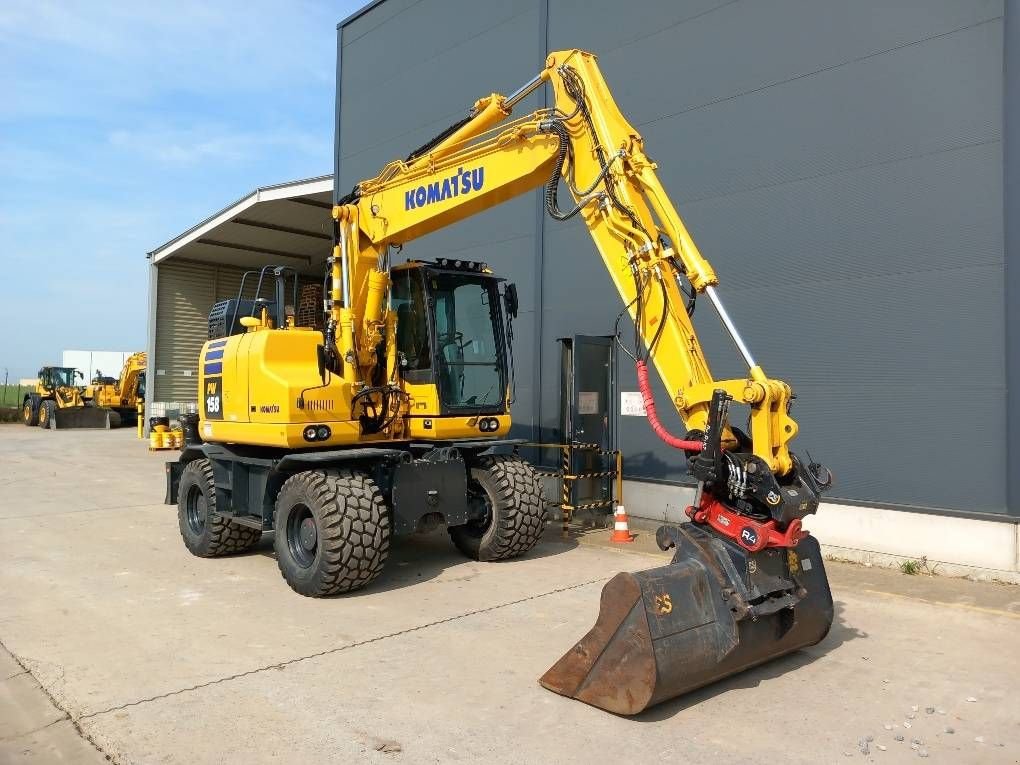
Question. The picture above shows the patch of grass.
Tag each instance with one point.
(11, 395)
(914, 567)
(910, 567)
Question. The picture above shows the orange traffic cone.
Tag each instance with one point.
(621, 532)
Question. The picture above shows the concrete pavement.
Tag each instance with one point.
(32, 728)
(158, 656)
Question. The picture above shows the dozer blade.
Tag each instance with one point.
(80, 417)
(716, 610)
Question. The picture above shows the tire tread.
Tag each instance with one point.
(355, 530)
(519, 512)
(224, 536)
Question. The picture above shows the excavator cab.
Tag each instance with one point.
(454, 332)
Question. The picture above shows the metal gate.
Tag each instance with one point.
(590, 460)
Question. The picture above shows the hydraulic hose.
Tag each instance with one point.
(653, 418)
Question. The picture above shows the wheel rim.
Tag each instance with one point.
(480, 502)
(196, 510)
(27, 413)
(302, 535)
(42, 415)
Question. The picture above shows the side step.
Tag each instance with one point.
(251, 521)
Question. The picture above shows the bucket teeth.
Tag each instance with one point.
(714, 611)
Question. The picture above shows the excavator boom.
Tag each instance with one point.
(746, 583)
(653, 261)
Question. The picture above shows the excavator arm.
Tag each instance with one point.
(586, 144)
(746, 583)
(131, 384)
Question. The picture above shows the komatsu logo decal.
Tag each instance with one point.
(460, 183)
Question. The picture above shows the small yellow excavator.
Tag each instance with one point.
(57, 403)
(120, 395)
(384, 423)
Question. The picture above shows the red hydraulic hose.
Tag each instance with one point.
(653, 418)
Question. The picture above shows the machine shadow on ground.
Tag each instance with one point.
(421, 557)
(840, 632)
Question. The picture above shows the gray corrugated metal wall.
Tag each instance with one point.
(840, 164)
(1011, 189)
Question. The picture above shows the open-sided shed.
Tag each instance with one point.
(286, 224)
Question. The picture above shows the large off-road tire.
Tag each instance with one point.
(47, 411)
(206, 533)
(332, 531)
(115, 419)
(515, 511)
(29, 414)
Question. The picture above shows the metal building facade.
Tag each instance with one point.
(841, 165)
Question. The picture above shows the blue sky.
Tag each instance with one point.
(121, 124)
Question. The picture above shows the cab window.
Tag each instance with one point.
(408, 294)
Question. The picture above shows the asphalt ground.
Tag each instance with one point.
(120, 646)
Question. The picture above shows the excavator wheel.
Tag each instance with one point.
(511, 492)
(46, 414)
(332, 531)
(206, 533)
(29, 414)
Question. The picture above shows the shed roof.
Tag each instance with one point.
(287, 224)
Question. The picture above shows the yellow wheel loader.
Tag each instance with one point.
(120, 395)
(57, 402)
(385, 422)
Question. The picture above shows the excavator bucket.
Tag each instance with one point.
(716, 610)
(70, 417)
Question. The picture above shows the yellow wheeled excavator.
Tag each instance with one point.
(120, 395)
(383, 423)
(58, 403)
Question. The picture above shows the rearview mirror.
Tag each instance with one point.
(320, 360)
(510, 300)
